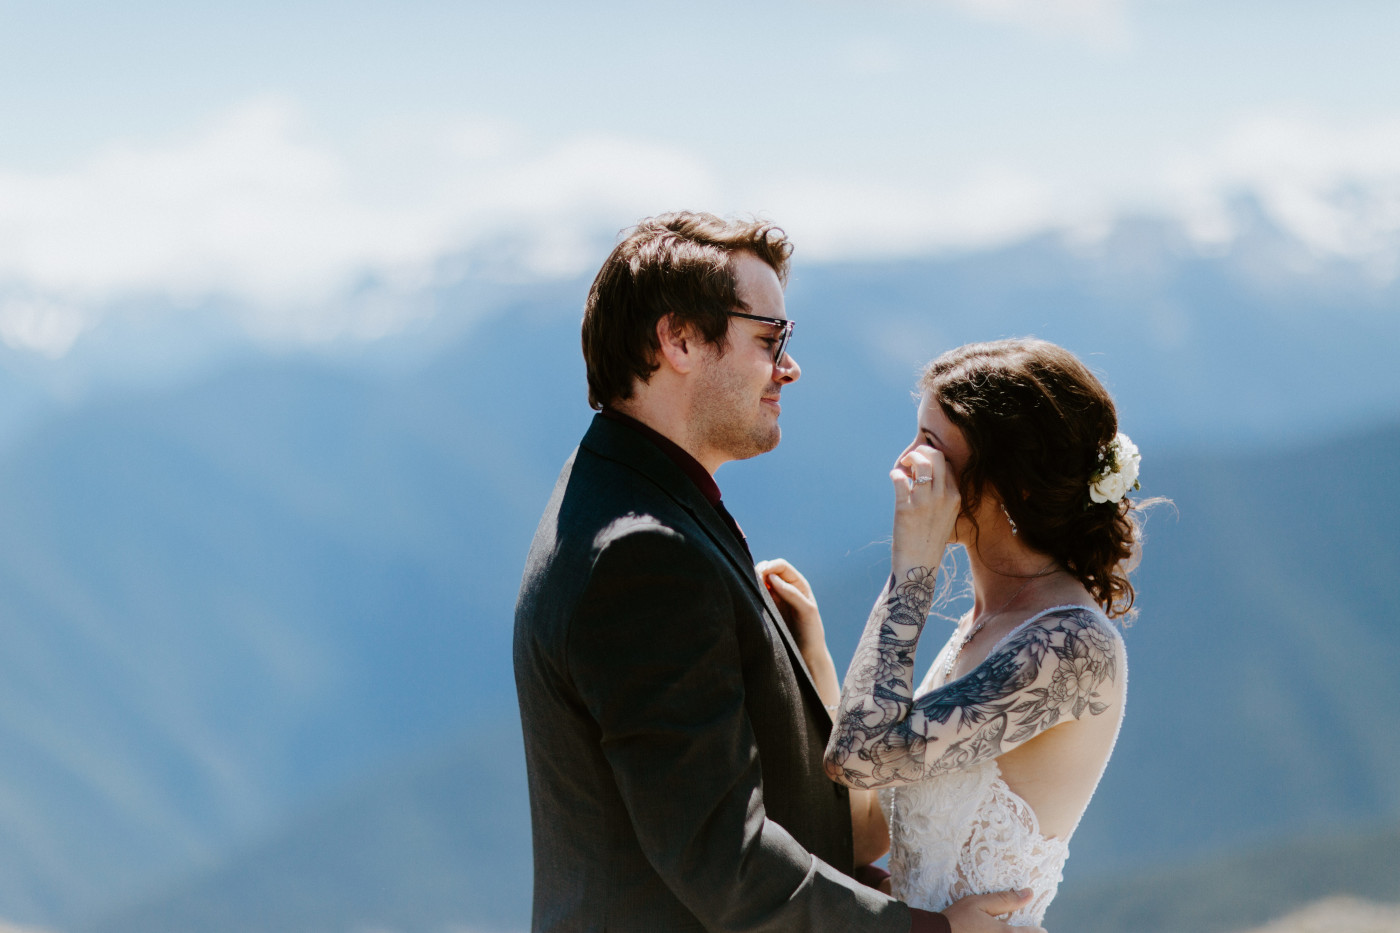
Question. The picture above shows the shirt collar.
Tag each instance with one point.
(689, 465)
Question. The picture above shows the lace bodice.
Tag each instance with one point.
(966, 832)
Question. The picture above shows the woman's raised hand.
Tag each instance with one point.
(926, 506)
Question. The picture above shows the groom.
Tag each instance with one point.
(673, 736)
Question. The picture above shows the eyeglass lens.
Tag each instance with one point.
(781, 346)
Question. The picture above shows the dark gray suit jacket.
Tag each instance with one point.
(672, 734)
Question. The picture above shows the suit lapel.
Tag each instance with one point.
(719, 533)
(618, 442)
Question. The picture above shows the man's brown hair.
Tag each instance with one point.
(672, 264)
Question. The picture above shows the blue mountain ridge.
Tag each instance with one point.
(228, 600)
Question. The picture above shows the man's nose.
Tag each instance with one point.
(788, 370)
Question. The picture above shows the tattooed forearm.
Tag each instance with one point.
(1053, 670)
(879, 687)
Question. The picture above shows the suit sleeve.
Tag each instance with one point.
(654, 655)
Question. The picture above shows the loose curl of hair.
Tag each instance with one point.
(1036, 420)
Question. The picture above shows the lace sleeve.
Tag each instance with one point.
(1054, 668)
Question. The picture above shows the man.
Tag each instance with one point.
(673, 735)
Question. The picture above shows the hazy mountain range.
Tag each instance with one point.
(1245, 888)
(256, 613)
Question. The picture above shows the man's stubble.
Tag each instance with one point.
(728, 414)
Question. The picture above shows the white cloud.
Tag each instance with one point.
(1335, 188)
(833, 218)
(243, 209)
(240, 203)
(1101, 23)
(47, 327)
(249, 211)
(305, 242)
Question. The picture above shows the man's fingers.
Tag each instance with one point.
(986, 913)
(1000, 902)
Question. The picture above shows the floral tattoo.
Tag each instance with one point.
(1046, 673)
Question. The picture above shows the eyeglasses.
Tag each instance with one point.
(784, 333)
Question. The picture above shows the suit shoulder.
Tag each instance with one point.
(615, 504)
(638, 543)
(640, 525)
(608, 524)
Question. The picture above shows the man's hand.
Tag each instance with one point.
(978, 913)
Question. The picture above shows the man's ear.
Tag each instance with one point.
(678, 342)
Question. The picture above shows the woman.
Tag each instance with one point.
(986, 769)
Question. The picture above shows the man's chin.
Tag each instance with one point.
(762, 444)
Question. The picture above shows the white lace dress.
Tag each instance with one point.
(967, 832)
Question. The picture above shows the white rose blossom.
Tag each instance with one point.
(1119, 473)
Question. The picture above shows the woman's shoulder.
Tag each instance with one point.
(1076, 626)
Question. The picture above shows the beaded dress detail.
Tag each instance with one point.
(966, 832)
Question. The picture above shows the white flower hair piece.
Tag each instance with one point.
(1117, 474)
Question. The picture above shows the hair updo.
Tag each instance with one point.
(1036, 420)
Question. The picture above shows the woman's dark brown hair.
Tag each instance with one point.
(1036, 421)
(671, 264)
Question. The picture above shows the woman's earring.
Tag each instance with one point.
(1009, 519)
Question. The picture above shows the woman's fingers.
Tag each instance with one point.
(795, 601)
(782, 586)
(776, 566)
(780, 570)
(926, 506)
(922, 469)
(789, 591)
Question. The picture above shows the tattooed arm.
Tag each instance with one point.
(1049, 671)
(795, 600)
(1052, 670)
(872, 731)
(879, 685)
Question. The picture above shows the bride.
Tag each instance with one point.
(984, 771)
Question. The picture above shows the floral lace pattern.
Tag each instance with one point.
(967, 832)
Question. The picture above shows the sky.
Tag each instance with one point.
(280, 155)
